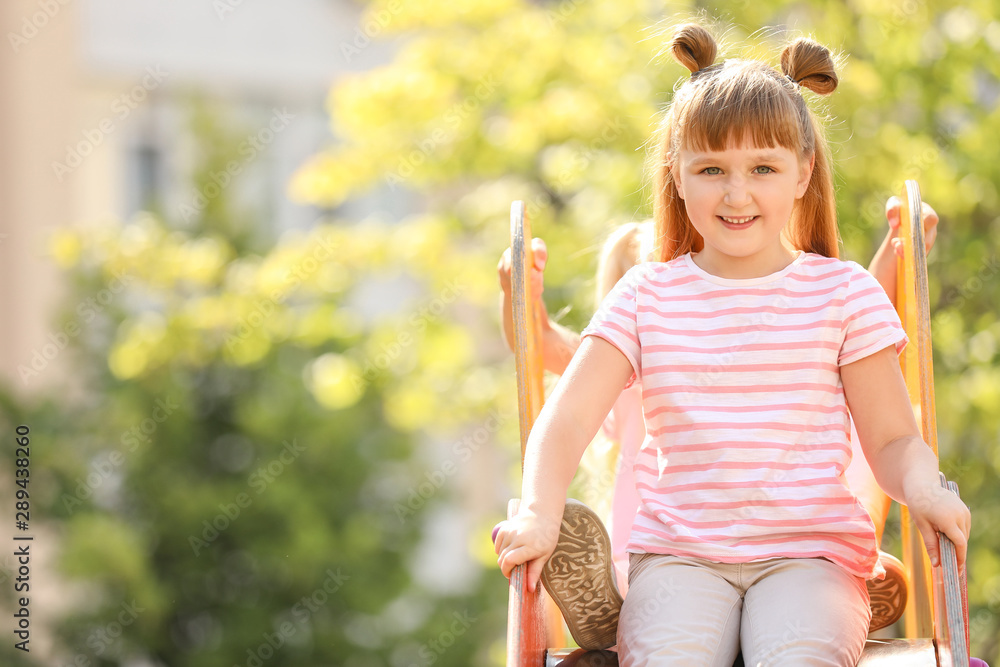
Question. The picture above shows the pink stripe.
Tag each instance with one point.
(874, 327)
(885, 305)
(815, 279)
(784, 407)
(755, 445)
(792, 502)
(744, 368)
(826, 521)
(720, 426)
(750, 347)
(628, 334)
(713, 486)
(809, 326)
(740, 310)
(729, 541)
(718, 389)
(627, 314)
(745, 291)
(674, 282)
(744, 465)
(868, 291)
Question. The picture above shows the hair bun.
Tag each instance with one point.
(694, 47)
(811, 65)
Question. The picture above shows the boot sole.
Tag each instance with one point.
(580, 577)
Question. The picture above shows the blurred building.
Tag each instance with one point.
(96, 124)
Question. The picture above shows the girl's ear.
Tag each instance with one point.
(805, 175)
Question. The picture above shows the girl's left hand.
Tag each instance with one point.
(936, 509)
(929, 218)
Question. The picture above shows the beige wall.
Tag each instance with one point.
(37, 117)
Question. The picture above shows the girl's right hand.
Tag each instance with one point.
(936, 509)
(540, 256)
(526, 538)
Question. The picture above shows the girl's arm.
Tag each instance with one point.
(566, 425)
(903, 464)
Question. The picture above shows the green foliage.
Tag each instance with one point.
(238, 471)
(365, 342)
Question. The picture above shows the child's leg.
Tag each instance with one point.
(803, 611)
(679, 611)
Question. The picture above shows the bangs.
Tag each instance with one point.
(751, 105)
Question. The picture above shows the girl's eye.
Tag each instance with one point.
(711, 171)
(762, 170)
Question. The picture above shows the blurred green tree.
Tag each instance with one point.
(238, 485)
(338, 371)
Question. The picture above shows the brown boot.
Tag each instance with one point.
(580, 577)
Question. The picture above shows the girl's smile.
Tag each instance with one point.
(738, 223)
(740, 200)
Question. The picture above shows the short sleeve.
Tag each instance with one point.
(615, 321)
(870, 322)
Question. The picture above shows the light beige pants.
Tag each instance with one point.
(783, 611)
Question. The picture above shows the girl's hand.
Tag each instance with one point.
(540, 256)
(936, 509)
(929, 217)
(526, 538)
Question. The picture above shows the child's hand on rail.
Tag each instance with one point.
(526, 538)
(936, 509)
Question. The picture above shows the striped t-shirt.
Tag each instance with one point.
(748, 433)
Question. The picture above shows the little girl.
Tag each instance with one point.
(751, 340)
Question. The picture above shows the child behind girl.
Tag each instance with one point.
(751, 340)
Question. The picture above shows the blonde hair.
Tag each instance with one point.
(625, 247)
(741, 101)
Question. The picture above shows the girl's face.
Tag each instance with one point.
(740, 200)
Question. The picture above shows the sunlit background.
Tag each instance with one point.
(248, 294)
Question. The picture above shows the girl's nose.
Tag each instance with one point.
(737, 194)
